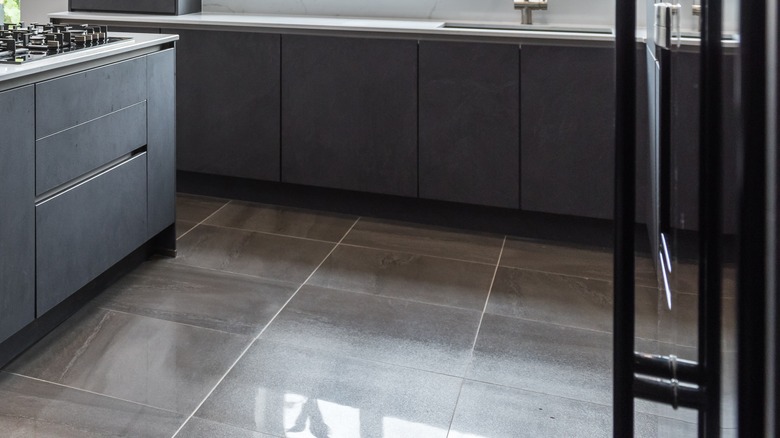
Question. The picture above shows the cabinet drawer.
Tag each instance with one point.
(86, 229)
(61, 103)
(68, 154)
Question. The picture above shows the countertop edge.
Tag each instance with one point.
(12, 73)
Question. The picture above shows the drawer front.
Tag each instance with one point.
(68, 154)
(86, 229)
(62, 103)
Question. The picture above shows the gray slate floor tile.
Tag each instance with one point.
(245, 252)
(493, 411)
(403, 275)
(412, 334)
(283, 220)
(145, 360)
(425, 240)
(200, 428)
(566, 300)
(547, 358)
(194, 208)
(206, 298)
(288, 391)
(31, 408)
(578, 262)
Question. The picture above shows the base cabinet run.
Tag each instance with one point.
(83, 183)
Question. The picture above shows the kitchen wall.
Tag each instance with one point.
(589, 12)
(37, 10)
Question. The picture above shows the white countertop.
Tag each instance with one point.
(137, 41)
(344, 24)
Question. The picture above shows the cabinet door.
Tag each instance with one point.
(349, 113)
(161, 145)
(227, 102)
(567, 136)
(86, 229)
(469, 123)
(17, 210)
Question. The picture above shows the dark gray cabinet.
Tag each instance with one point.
(161, 146)
(86, 229)
(567, 136)
(17, 210)
(469, 145)
(227, 101)
(169, 7)
(349, 113)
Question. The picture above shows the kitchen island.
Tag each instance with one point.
(87, 180)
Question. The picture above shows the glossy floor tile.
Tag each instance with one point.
(566, 300)
(200, 428)
(573, 261)
(288, 323)
(192, 208)
(289, 391)
(404, 275)
(245, 252)
(418, 239)
(547, 358)
(401, 332)
(32, 408)
(283, 220)
(145, 360)
(201, 297)
(486, 410)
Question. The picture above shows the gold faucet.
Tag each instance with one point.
(527, 6)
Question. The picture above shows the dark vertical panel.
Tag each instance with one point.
(17, 214)
(567, 144)
(161, 147)
(711, 215)
(751, 276)
(349, 113)
(227, 103)
(469, 123)
(625, 181)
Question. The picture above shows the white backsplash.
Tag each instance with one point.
(591, 12)
(577, 12)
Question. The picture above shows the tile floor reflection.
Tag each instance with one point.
(278, 322)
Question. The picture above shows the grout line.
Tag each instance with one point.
(204, 220)
(253, 341)
(476, 336)
(267, 233)
(89, 392)
(401, 251)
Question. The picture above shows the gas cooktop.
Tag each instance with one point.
(20, 43)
